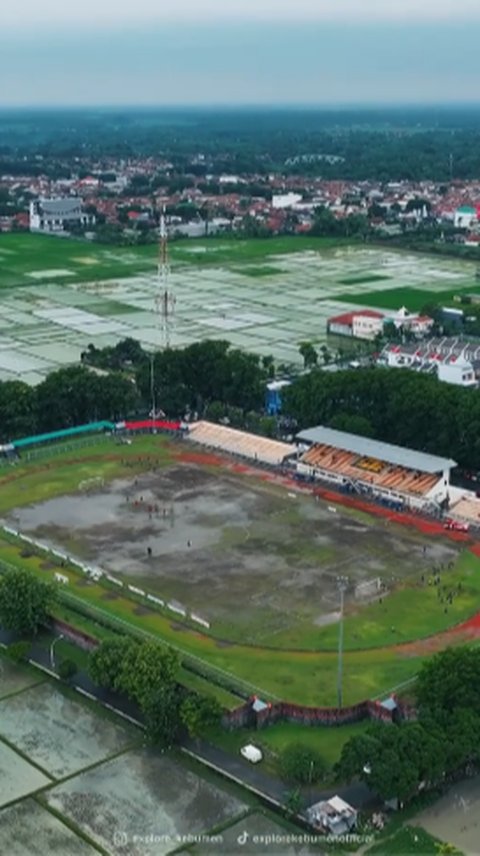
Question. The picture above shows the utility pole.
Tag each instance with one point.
(52, 651)
(342, 585)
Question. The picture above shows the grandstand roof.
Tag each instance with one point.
(374, 449)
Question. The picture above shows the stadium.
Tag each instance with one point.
(229, 546)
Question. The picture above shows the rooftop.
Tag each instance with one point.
(366, 447)
(347, 317)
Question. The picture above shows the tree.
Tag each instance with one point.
(18, 409)
(24, 601)
(18, 651)
(105, 663)
(199, 713)
(448, 682)
(391, 332)
(215, 411)
(309, 354)
(146, 668)
(354, 424)
(161, 710)
(66, 398)
(326, 355)
(301, 765)
(393, 760)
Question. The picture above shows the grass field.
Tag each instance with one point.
(27, 259)
(327, 741)
(276, 666)
(413, 298)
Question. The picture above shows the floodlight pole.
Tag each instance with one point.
(342, 584)
(152, 383)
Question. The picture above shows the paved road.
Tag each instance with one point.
(232, 766)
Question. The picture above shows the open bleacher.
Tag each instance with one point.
(239, 443)
(467, 508)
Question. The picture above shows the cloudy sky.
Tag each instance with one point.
(193, 52)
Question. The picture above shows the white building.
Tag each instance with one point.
(367, 326)
(286, 200)
(364, 324)
(465, 217)
(461, 372)
(333, 817)
(418, 324)
(58, 215)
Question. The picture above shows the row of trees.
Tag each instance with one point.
(67, 397)
(400, 761)
(402, 407)
(212, 379)
(184, 379)
(147, 673)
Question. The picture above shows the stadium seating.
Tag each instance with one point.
(373, 472)
(239, 443)
(467, 508)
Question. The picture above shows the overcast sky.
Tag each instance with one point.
(238, 52)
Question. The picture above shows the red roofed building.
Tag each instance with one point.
(361, 324)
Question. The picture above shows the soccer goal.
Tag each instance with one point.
(368, 589)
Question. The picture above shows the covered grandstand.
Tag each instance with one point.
(240, 443)
(384, 471)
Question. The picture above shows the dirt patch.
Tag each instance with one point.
(223, 643)
(110, 595)
(47, 566)
(201, 458)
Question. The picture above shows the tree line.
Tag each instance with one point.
(210, 379)
(400, 761)
(370, 144)
(396, 406)
(115, 382)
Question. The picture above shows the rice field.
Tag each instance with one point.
(266, 296)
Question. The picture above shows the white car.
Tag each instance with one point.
(251, 753)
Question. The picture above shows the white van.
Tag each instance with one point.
(251, 753)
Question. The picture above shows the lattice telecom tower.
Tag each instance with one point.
(165, 299)
(164, 303)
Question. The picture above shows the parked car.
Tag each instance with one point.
(251, 753)
(456, 526)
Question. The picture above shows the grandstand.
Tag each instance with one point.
(240, 443)
(382, 470)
